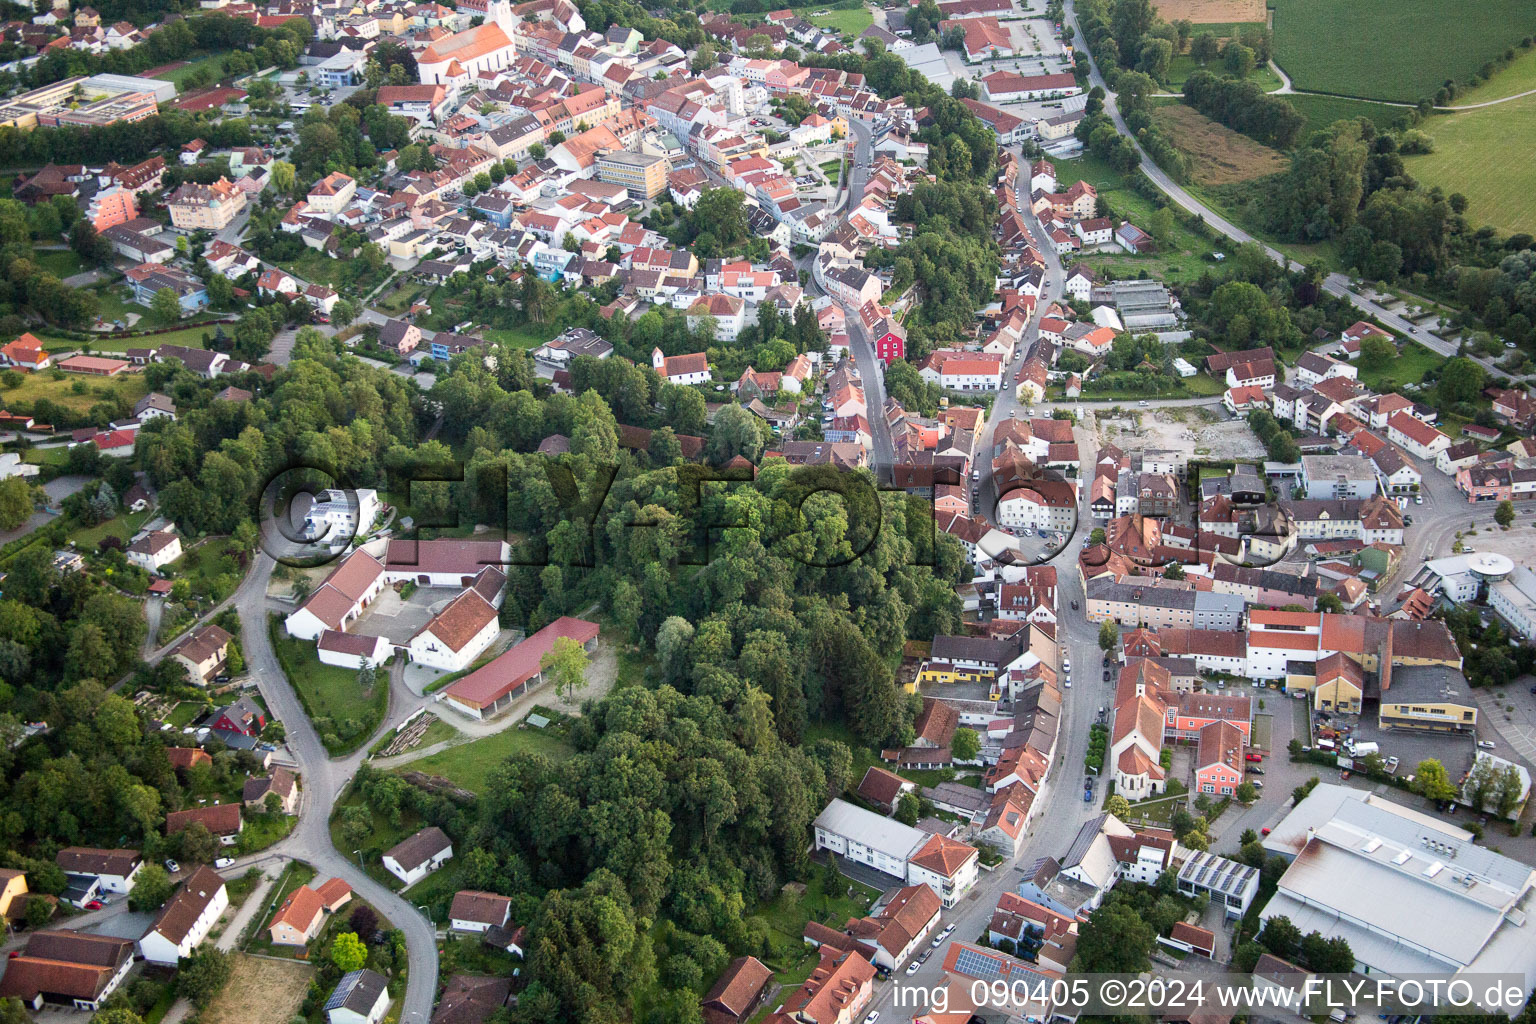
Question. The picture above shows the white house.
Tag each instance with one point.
(353, 650)
(946, 866)
(1418, 437)
(692, 368)
(457, 635)
(115, 870)
(417, 857)
(186, 920)
(155, 550)
(477, 911)
(339, 516)
(340, 599)
(360, 997)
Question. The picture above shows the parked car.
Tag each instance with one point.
(172, 866)
(1087, 796)
(1254, 769)
(94, 905)
(1266, 830)
(874, 1015)
(912, 967)
(1487, 744)
(1256, 758)
(1257, 784)
(224, 862)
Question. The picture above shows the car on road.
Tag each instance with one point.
(1106, 675)
(874, 1015)
(1487, 744)
(172, 866)
(938, 940)
(224, 862)
(922, 957)
(1142, 403)
(1074, 606)
(1069, 684)
(1266, 830)
(912, 967)
(949, 929)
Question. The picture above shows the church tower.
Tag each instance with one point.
(500, 12)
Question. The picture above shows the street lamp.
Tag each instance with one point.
(359, 858)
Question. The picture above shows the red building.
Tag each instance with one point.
(888, 337)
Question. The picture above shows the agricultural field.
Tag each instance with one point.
(1516, 77)
(1322, 44)
(1207, 12)
(1218, 155)
(261, 990)
(1486, 156)
(1322, 111)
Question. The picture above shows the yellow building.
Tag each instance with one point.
(13, 883)
(642, 174)
(1433, 698)
(212, 207)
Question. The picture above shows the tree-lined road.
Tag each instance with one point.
(1335, 284)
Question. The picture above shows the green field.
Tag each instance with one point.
(1322, 111)
(1393, 49)
(1408, 368)
(213, 62)
(331, 692)
(75, 392)
(1486, 156)
(188, 337)
(60, 263)
(1516, 77)
(526, 336)
(470, 764)
(849, 23)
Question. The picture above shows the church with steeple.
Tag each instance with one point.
(456, 60)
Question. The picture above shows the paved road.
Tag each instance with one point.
(1062, 811)
(1334, 284)
(883, 455)
(323, 781)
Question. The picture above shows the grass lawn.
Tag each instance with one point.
(1415, 45)
(790, 959)
(55, 456)
(185, 713)
(262, 830)
(399, 299)
(1408, 368)
(121, 527)
(72, 391)
(1486, 156)
(1322, 111)
(470, 764)
(1518, 76)
(849, 23)
(213, 62)
(60, 263)
(333, 693)
(528, 336)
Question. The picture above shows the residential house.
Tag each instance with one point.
(415, 858)
(186, 920)
(360, 997)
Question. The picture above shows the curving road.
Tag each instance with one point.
(323, 779)
(1335, 284)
